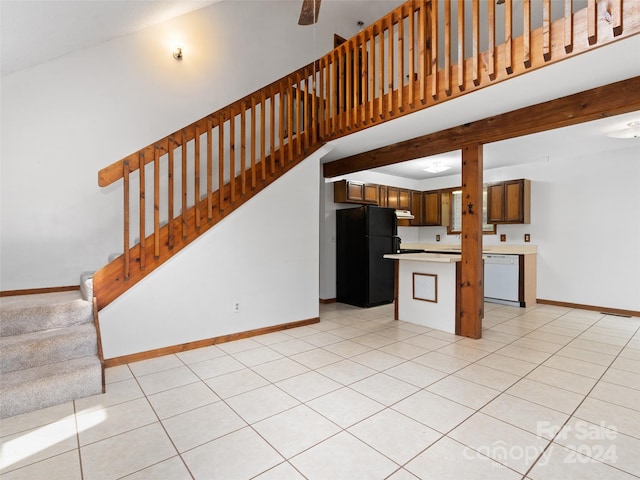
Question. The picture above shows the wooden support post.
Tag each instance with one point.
(471, 284)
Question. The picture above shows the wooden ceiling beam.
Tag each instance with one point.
(601, 102)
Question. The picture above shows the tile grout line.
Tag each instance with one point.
(576, 409)
(146, 397)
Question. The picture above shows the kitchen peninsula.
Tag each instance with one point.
(427, 284)
(428, 289)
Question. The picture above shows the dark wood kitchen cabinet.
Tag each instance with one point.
(348, 191)
(416, 209)
(509, 202)
(382, 196)
(398, 198)
(432, 208)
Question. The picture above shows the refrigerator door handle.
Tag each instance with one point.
(396, 243)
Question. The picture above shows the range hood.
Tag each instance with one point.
(404, 214)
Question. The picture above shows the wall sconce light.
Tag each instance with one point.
(177, 53)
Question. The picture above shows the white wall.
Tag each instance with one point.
(583, 221)
(64, 120)
(264, 256)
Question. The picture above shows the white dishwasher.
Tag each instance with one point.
(502, 279)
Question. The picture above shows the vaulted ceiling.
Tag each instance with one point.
(37, 31)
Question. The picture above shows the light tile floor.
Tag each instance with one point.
(547, 393)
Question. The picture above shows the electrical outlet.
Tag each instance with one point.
(503, 237)
(236, 307)
(437, 238)
(527, 237)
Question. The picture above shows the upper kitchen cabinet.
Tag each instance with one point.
(398, 198)
(348, 191)
(509, 202)
(417, 209)
(432, 208)
(382, 194)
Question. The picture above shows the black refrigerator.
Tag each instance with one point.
(363, 236)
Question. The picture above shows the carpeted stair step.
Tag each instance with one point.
(40, 348)
(32, 313)
(40, 387)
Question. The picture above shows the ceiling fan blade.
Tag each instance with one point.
(309, 12)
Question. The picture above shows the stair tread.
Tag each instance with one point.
(46, 311)
(39, 299)
(42, 335)
(30, 375)
(24, 391)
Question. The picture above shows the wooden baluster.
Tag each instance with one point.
(126, 251)
(282, 108)
(253, 143)
(447, 47)
(209, 169)
(290, 120)
(341, 65)
(412, 54)
(299, 113)
(616, 16)
(433, 19)
(196, 176)
(142, 205)
(232, 155)
(526, 32)
(348, 54)
(546, 30)
(170, 190)
(243, 149)
(372, 75)
(592, 21)
(221, 160)
(328, 97)
(461, 65)
(476, 42)
(381, 70)
(363, 65)
(263, 135)
(568, 26)
(356, 55)
(401, 61)
(322, 114)
(318, 104)
(390, 65)
(508, 37)
(272, 129)
(306, 130)
(491, 47)
(335, 89)
(156, 202)
(184, 184)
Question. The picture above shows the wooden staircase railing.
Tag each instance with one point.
(180, 186)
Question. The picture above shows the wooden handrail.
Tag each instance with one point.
(392, 68)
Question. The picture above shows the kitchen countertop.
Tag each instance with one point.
(487, 249)
(424, 257)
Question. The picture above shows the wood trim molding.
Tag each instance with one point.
(606, 310)
(325, 301)
(34, 291)
(606, 101)
(183, 347)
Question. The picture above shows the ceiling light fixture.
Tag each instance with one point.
(177, 53)
(632, 130)
(436, 167)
